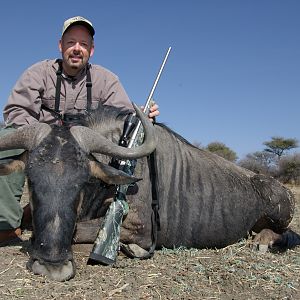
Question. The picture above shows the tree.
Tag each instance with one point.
(222, 150)
(261, 162)
(279, 145)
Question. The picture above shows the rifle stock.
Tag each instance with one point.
(107, 242)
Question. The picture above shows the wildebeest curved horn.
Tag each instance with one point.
(26, 137)
(91, 141)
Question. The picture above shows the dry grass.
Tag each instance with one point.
(235, 272)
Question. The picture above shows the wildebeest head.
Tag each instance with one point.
(58, 164)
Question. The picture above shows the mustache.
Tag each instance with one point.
(76, 56)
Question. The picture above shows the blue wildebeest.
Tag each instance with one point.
(205, 201)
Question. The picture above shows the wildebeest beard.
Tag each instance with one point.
(59, 173)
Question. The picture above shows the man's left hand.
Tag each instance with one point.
(154, 112)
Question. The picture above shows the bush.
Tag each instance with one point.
(222, 150)
(289, 169)
(260, 162)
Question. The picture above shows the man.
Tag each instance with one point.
(56, 91)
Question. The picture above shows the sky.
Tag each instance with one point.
(232, 76)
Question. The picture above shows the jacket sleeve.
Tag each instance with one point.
(114, 93)
(24, 103)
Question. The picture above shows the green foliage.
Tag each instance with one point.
(274, 161)
(222, 150)
(279, 145)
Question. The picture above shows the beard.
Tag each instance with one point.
(73, 64)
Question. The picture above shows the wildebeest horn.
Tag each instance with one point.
(26, 137)
(91, 141)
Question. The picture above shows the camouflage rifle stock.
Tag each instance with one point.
(106, 245)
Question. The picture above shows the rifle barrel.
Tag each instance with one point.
(156, 80)
(146, 107)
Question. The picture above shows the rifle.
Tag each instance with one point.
(106, 245)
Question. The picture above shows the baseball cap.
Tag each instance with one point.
(79, 21)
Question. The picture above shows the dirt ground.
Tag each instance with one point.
(235, 272)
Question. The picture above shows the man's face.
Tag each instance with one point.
(76, 46)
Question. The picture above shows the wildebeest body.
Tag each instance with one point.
(205, 201)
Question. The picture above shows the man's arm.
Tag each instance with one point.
(24, 103)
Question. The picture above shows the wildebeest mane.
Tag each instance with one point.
(178, 136)
(105, 114)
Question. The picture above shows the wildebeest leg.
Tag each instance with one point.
(134, 251)
(86, 231)
(279, 204)
(136, 227)
(268, 238)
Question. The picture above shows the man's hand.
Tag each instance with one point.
(154, 112)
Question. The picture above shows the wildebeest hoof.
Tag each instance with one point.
(263, 248)
(265, 240)
(133, 250)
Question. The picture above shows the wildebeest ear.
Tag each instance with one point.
(110, 175)
(12, 164)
